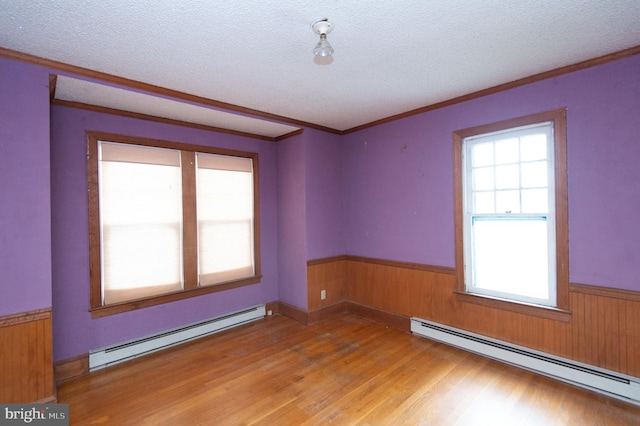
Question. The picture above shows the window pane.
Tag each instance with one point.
(507, 177)
(141, 223)
(508, 201)
(483, 202)
(534, 175)
(483, 179)
(224, 195)
(140, 193)
(507, 151)
(510, 256)
(224, 250)
(533, 147)
(225, 219)
(482, 154)
(535, 201)
(140, 261)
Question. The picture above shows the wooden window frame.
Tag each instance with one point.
(190, 247)
(561, 310)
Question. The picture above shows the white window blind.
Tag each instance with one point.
(225, 218)
(140, 221)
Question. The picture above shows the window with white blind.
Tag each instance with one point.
(225, 218)
(168, 221)
(140, 194)
(511, 211)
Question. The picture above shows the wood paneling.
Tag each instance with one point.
(26, 360)
(345, 370)
(71, 367)
(294, 313)
(603, 327)
(189, 220)
(328, 312)
(274, 307)
(330, 276)
(53, 81)
(398, 322)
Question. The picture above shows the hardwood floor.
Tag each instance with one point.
(344, 370)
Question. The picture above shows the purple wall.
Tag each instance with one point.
(74, 331)
(398, 177)
(25, 214)
(309, 208)
(325, 236)
(384, 192)
(292, 254)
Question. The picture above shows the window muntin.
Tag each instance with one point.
(509, 214)
(171, 225)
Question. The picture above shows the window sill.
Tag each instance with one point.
(117, 308)
(547, 312)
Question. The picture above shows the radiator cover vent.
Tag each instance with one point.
(124, 351)
(607, 382)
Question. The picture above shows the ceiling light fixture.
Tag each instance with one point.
(323, 27)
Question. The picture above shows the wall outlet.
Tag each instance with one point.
(269, 312)
(323, 294)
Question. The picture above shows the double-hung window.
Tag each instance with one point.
(511, 211)
(168, 221)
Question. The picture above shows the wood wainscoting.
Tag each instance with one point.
(26, 358)
(71, 368)
(602, 329)
(330, 275)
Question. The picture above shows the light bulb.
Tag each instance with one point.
(323, 48)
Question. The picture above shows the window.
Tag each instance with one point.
(225, 218)
(511, 213)
(140, 221)
(168, 221)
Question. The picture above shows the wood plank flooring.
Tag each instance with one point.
(345, 370)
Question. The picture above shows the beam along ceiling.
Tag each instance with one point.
(390, 56)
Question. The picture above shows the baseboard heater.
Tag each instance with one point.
(610, 383)
(104, 357)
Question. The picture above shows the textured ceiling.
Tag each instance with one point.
(75, 90)
(390, 56)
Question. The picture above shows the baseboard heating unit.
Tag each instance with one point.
(104, 357)
(610, 383)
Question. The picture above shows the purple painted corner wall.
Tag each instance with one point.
(25, 213)
(324, 195)
(292, 254)
(398, 177)
(74, 330)
(384, 192)
(309, 207)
